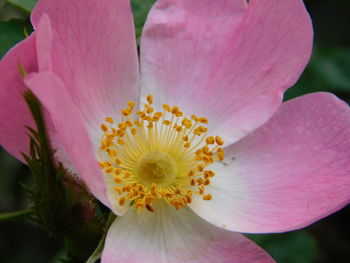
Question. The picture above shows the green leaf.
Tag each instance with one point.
(289, 247)
(140, 10)
(14, 215)
(328, 70)
(12, 32)
(25, 5)
(98, 251)
(9, 12)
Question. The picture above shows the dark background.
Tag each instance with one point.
(325, 241)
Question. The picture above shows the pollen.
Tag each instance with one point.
(155, 155)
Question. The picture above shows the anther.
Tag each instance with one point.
(149, 99)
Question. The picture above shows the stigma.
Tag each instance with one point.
(153, 155)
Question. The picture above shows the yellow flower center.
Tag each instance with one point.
(157, 167)
(158, 155)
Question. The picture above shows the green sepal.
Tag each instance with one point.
(60, 202)
(98, 251)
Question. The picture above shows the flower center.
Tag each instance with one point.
(158, 155)
(157, 167)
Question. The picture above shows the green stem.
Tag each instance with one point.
(15, 215)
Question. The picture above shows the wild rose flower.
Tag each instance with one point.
(212, 152)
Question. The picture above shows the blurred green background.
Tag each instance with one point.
(329, 70)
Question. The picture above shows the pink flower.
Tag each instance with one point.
(282, 167)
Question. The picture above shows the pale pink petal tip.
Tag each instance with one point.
(226, 60)
(287, 174)
(170, 236)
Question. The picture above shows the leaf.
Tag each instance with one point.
(328, 70)
(140, 10)
(25, 5)
(291, 247)
(9, 12)
(14, 215)
(98, 251)
(11, 33)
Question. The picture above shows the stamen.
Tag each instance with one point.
(154, 155)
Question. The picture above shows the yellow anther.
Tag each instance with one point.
(187, 145)
(109, 170)
(220, 156)
(149, 99)
(187, 123)
(139, 204)
(207, 158)
(194, 117)
(126, 112)
(122, 126)
(118, 190)
(154, 189)
(109, 119)
(117, 180)
(149, 109)
(200, 181)
(198, 152)
(191, 173)
(102, 165)
(203, 120)
(201, 190)
(117, 161)
(166, 122)
(193, 182)
(158, 114)
(179, 129)
(149, 199)
(219, 141)
(166, 107)
(197, 132)
(111, 152)
(118, 171)
(155, 118)
(203, 129)
(126, 175)
(210, 140)
(114, 131)
(179, 114)
(133, 131)
(185, 138)
(122, 201)
(206, 150)
(121, 142)
(131, 104)
(206, 182)
(137, 123)
(104, 127)
(150, 125)
(128, 123)
(175, 110)
(207, 197)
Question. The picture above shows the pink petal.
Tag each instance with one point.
(170, 236)
(15, 115)
(71, 128)
(94, 52)
(226, 60)
(44, 43)
(287, 174)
